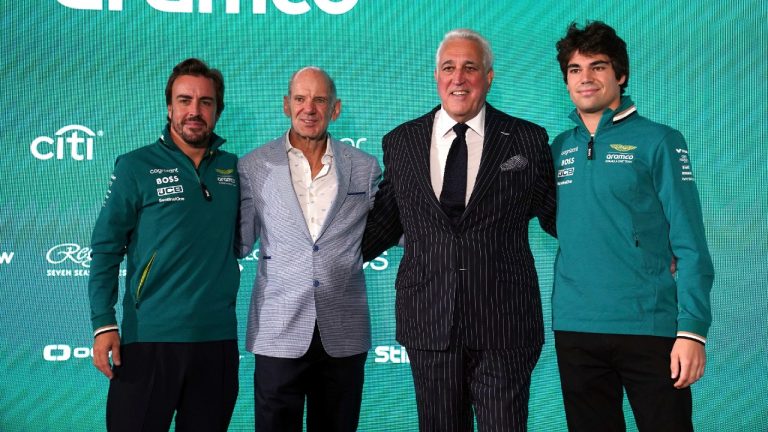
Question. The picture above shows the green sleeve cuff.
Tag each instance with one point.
(693, 326)
(103, 321)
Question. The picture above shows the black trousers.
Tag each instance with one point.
(196, 381)
(595, 369)
(332, 387)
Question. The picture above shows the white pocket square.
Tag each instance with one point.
(515, 163)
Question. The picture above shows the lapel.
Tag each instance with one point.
(284, 186)
(342, 164)
(418, 144)
(497, 133)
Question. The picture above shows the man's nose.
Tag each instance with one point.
(310, 105)
(458, 76)
(194, 108)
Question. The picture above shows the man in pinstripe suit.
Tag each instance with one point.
(468, 306)
(306, 196)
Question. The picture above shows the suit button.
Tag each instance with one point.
(315, 248)
(316, 283)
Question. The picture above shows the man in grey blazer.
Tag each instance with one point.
(462, 183)
(305, 196)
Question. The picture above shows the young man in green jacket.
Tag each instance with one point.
(171, 209)
(627, 206)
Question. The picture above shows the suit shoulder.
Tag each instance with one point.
(355, 152)
(530, 125)
(522, 123)
(260, 152)
(417, 122)
(493, 114)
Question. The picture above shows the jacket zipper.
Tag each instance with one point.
(143, 279)
(203, 188)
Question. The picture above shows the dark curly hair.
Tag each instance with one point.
(596, 38)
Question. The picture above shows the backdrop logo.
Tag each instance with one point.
(69, 253)
(380, 263)
(354, 142)
(78, 138)
(391, 354)
(6, 257)
(289, 7)
(60, 352)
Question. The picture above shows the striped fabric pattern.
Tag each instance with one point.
(468, 307)
(489, 247)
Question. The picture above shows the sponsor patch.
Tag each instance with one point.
(225, 176)
(623, 147)
(619, 158)
(165, 193)
(685, 165)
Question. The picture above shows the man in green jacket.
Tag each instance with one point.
(171, 209)
(627, 206)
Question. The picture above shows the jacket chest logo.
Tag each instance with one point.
(621, 153)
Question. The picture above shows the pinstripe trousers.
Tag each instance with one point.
(454, 384)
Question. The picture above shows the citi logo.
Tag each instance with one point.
(6, 257)
(77, 138)
(258, 7)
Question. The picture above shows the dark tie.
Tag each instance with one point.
(455, 175)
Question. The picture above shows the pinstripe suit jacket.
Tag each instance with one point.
(300, 280)
(481, 269)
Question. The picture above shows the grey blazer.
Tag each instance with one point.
(300, 281)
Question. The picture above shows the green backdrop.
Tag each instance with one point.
(83, 82)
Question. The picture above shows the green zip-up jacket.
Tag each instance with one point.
(182, 276)
(621, 216)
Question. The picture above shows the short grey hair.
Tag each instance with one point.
(331, 84)
(464, 33)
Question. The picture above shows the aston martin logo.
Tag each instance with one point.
(623, 147)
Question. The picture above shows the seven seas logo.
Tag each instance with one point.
(69, 253)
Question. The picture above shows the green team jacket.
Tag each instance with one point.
(620, 218)
(182, 275)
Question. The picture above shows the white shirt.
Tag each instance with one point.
(442, 137)
(316, 195)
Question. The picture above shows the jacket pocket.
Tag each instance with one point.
(143, 279)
